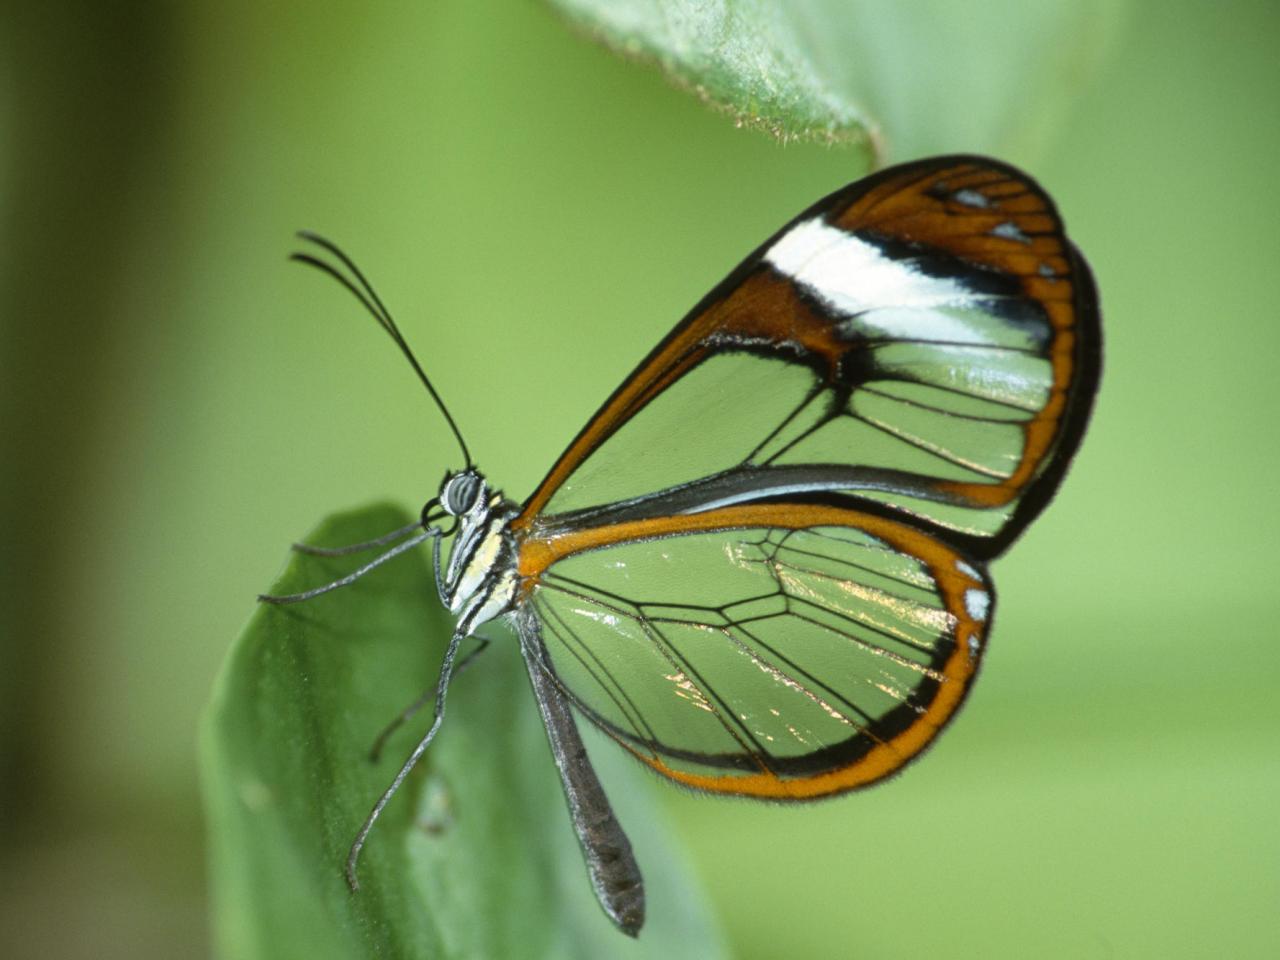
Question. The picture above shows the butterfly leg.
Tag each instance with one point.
(354, 575)
(357, 547)
(407, 713)
(442, 688)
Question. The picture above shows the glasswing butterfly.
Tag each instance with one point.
(761, 567)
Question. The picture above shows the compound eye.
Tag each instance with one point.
(460, 495)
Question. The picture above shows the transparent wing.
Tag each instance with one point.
(783, 650)
(926, 337)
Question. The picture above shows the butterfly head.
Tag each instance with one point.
(461, 492)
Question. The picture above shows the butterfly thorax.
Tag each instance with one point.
(478, 580)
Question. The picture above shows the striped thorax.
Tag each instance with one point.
(478, 582)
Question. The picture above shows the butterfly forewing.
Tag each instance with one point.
(926, 337)
(782, 650)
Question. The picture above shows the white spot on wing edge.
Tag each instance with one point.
(977, 603)
(967, 569)
(972, 198)
(1010, 231)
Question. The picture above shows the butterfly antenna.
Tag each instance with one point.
(362, 290)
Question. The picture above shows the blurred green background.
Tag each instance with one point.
(179, 404)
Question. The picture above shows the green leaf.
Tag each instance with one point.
(473, 858)
(906, 79)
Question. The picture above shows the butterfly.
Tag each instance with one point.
(761, 566)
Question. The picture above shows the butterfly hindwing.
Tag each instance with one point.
(781, 650)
